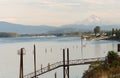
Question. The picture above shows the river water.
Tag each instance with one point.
(49, 50)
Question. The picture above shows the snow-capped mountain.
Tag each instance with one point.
(92, 20)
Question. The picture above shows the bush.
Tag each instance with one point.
(113, 59)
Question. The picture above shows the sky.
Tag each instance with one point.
(58, 12)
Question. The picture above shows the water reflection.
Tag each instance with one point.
(50, 51)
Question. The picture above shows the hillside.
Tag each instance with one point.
(21, 29)
(28, 29)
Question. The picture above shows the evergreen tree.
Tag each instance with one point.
(97, 29)
(113, 31)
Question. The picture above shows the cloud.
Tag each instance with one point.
(8, 19)
(94, 1)
(53, 3)
(44, 3)
(42, 10)
(101, 1)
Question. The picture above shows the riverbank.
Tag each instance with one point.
(95, 38)
(113, 38)
(108, 69)
(113, 72)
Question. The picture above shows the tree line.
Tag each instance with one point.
(6, 34)
(115, 32)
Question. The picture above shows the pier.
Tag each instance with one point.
(65, 63)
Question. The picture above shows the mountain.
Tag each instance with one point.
(91, 20)
(22, 29)
(29, 29)
(88, 25)
(82, 28)
(74, 28)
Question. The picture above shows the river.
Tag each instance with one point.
(49, 50)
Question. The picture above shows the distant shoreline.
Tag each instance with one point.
(113, 39)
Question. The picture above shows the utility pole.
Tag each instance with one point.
(35, 61)
(21, 53)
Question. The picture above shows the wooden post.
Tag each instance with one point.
(63, 63)
(118, 47)
(68, 62)
(55, 75)
(35, 61)
(21, 63)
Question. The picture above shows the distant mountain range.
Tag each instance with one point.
(28, 29)
(22, 29)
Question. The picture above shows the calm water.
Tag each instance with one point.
(49, 50)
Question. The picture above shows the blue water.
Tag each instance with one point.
(9, 60)
(51, 39)
(43, 39)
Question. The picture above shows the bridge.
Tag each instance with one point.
(61, 63)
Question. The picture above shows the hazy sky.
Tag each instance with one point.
(58, 12)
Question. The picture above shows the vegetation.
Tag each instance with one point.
(70, 34)
(114, 34)
(97, 30)
(109, 69)
(4, 34)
